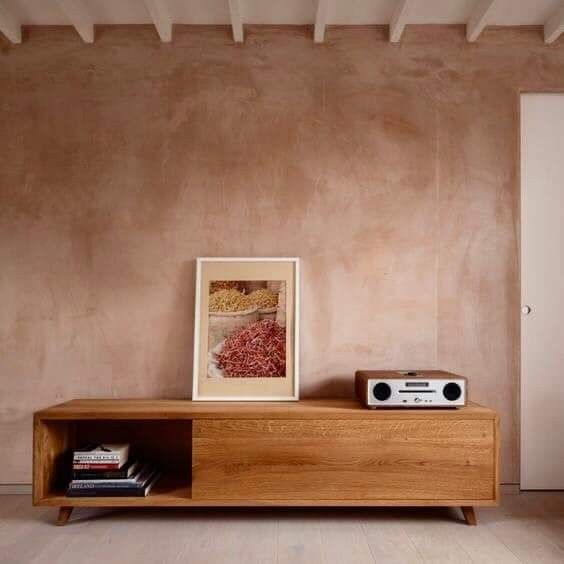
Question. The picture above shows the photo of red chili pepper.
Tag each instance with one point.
(255, 351)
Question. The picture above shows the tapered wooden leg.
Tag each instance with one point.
(469, 515)
(64, 514)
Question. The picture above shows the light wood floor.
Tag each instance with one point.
(527, 527)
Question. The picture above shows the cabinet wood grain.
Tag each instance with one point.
(416, 459)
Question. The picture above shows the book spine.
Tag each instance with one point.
(140, 491)
(92, 457)
(107, 492)
(97, 485)
(91, 475)
(96, 466)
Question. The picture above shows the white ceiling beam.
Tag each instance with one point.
(479, 19)
(161, 18)
(399, 20)
(554, 27)
(320, 21)
(79, 17)
(9, 25)
(236, 21)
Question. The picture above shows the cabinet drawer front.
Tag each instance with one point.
(339, 460)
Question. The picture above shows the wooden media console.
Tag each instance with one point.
(307, 453)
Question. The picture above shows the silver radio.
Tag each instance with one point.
(410, 388)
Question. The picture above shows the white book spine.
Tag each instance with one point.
(104, 457)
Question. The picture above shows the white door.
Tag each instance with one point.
(542, 291)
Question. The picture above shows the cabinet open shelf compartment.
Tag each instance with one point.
(166, 443)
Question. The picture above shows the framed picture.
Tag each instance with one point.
(246, 335)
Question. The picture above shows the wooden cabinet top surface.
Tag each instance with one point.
(304, 409)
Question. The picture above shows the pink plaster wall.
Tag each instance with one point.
(392, 170)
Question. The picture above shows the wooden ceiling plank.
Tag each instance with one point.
(236, 21)
(320, 21)
(9, 25)
(479, 19)
(160, 15)
(80, 17)
(554, 27)
(399, 20)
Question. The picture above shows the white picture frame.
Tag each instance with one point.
(198, 394)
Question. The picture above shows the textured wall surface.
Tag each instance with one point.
(392, 170)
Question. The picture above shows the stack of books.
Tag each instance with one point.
(108, 470)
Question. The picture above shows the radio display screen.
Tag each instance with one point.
(417, 384)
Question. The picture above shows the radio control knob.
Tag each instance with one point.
(452, 391)
(382, 391)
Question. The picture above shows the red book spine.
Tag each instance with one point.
(77, 466)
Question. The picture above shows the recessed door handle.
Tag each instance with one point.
(525, 310)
